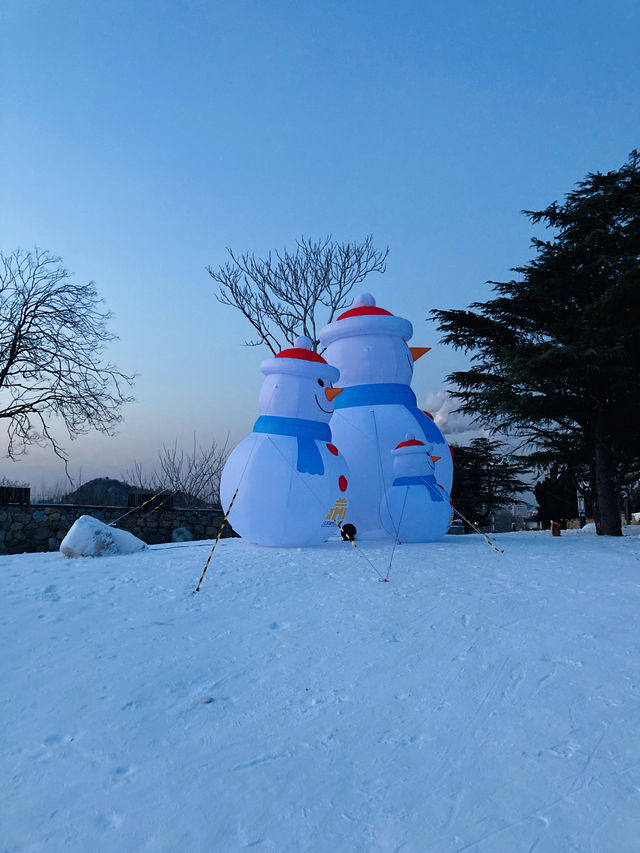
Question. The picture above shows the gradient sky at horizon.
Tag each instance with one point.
(139, 140)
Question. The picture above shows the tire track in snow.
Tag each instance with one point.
(578, 784)
(466, 734)
(534, 814)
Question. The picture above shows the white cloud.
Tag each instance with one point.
(442, 407)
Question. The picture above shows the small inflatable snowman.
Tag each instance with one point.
(377, 408)
(287, 475)
(415, 508)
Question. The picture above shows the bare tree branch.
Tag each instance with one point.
(193, 476)
(52, 341)
(283, 294)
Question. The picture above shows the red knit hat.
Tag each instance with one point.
(411, 445)
(410, 442)
(365, 318)
(301, 360)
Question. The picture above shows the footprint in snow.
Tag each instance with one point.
(123, 772)
(50, 594)
(516, 677)
(566, 750)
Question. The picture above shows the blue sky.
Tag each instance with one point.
(138, 140)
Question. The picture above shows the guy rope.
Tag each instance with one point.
(143, 504)
(222, 526)
(344, 532)
(397, 539)
(346, 535)
(475, 530)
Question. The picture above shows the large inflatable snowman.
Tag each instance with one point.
(287, 477)
(377, 407)
(416, 508)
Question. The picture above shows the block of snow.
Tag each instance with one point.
(89, 537)
(589, 528)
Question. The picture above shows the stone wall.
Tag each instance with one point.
(42, 527)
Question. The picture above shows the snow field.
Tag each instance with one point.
(477, 701)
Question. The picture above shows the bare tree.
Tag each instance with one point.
(5, 481)
(52, 339)
(193, 476)
(53, 493)
(284, 294)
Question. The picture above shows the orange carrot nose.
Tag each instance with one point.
(435, 459)
(332, 393)
(418, 352)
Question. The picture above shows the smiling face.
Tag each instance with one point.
(286, 396)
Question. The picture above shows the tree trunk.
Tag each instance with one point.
(606, 491)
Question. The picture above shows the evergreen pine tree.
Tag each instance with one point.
(557, 496)
(485, 478)
(556, 355)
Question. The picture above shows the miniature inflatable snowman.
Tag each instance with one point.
(285, 478)
(416, 508)
(377, 408)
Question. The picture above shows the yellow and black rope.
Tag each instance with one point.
(474, 527)
(222, 526)
(143, 504)
(346, 535)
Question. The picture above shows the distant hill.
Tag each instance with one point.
(103, 491)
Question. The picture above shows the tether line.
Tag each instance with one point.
(383, 488)
(222, 526)
(317, 499)
(349, 538)
(154, 508)
(143, 504)
(224, 520)
(397, 539)
(475, 530)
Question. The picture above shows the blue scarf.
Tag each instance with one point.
(428, 480)
(307, 432)
(386, 394)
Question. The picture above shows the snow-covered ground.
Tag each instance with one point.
(477, 701)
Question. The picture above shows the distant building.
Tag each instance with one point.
(515, 516)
